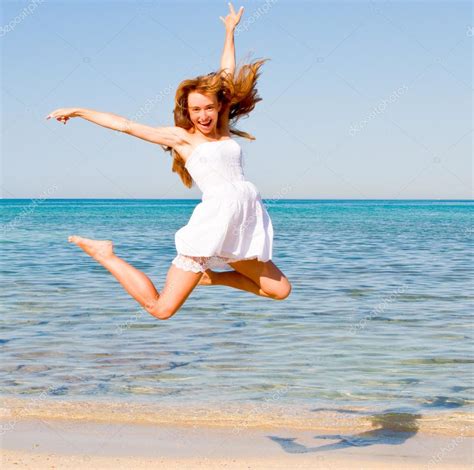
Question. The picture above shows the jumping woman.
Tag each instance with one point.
(230, 227)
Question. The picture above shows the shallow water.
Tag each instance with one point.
(380, 315)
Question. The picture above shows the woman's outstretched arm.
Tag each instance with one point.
(228, 54)
(169, 136)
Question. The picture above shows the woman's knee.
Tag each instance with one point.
(161, 310)
(281, 291)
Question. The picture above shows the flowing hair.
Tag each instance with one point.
(238, 91)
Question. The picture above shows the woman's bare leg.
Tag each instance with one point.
(260, 278)
(231, 279)
(179, 284)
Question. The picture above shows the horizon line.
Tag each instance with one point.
(197, 199)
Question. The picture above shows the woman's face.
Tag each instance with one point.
(203, 111)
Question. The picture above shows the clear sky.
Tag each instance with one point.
(360, 99)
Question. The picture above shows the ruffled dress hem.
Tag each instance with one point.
(202, 263)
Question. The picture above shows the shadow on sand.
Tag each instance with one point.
(392, 428)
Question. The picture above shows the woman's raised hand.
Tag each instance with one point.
(63, 114)
(233, 18)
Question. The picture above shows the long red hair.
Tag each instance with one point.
(239, 92)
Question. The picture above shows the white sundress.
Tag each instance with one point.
(231, 223)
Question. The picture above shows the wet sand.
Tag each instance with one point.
(239, 416)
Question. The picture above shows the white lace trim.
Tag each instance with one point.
(201, 263)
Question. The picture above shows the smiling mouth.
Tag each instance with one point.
(205, 124)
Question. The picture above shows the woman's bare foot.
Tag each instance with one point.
(97, 249)
(207, 278)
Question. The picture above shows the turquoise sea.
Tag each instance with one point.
(380, 315)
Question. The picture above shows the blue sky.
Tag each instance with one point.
(360, 99)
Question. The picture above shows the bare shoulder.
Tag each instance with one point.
(183, 140)
(187, 142)
(180, 134)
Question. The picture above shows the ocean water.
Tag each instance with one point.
(380, 316)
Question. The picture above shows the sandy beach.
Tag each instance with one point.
(77, 445)
(84, 435)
